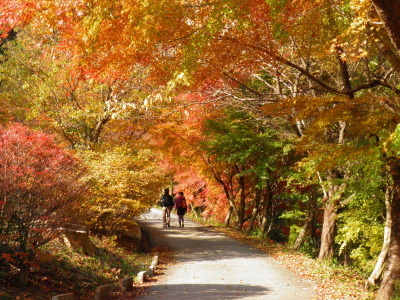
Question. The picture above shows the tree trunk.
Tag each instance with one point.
(228, 216)
(328, 231)
(304, 229)
(392, 274)
(331, 204)
(96, 131)
(265, 211)
(389, 12)
(386, 49)
(227, 186)
(242, 203)
(255, 210)
(309, 221)
(23, 275)
(379, 266)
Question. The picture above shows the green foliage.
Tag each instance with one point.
(293, 215)
(242, 140)
(362, 237)
(309, 248)
(361, 224)
(392, 142)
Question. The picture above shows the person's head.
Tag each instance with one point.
(166, 191)
(181, 194)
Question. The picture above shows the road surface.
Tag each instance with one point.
(210, 265)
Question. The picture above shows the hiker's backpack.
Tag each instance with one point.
(183, 203)
(167, 200)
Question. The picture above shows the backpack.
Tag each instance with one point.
(183, 203)
(167, 200)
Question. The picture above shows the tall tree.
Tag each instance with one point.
(389, 12)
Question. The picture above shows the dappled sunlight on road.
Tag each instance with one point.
(210, 265)
(209, 291)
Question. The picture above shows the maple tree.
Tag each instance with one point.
(347, 88)
(242, 156)
(39, 182)
(95, 87)
(90, 114)
(125, 184)
(60, 93)
(341, 53)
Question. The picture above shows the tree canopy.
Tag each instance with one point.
(278, 117)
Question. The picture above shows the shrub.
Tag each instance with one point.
(39, 181)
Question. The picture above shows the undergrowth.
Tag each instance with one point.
(67, 271)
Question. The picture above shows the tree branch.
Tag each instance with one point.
(243, 85)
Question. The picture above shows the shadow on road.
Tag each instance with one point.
(209, 291)
(196, 242)
(210, 265)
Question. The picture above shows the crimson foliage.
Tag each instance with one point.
(38, 182)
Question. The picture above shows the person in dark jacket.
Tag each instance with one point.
(167, 203)
(181, 208)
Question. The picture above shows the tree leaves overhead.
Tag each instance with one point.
(252, 107)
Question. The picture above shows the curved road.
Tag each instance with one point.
(210, 265)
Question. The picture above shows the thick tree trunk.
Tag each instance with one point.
(379, 266)
(228, 216)
(328, 231)
(392, 274)
(331, 204)
(389, 12)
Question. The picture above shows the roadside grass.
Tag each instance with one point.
(331, 281)
(66, 271)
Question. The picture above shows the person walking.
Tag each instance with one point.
(167, 203)
(181, 208)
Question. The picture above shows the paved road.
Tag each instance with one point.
(210, 265)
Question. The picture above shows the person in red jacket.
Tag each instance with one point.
(181, 208)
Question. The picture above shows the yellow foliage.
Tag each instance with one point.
(365, 120)
(126, 183)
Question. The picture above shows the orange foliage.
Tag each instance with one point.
(179, 141)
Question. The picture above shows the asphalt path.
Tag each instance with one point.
(210, 265)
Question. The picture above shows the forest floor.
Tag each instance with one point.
(65, 271)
